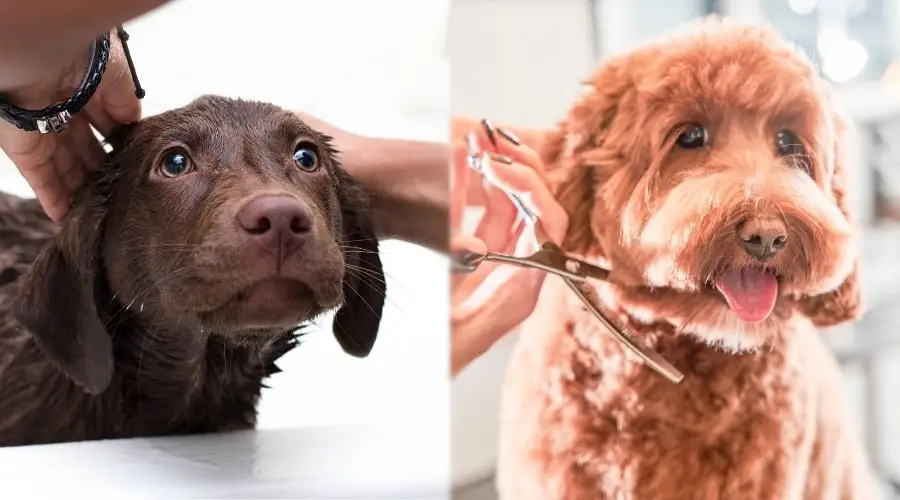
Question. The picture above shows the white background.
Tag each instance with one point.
(373, 67)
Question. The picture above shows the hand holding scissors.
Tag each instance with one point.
(493, 299)
(550, 258)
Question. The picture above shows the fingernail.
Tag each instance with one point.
(509, 136)
(500, 158)
(489, 130)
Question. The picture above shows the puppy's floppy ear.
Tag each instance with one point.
(576, 152)
(844, 303)
(57, 299)
(356, 322)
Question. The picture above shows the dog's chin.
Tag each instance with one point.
(270, 304)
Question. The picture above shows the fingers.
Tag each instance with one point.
(461, 284)
(530, 185)
(508, 143)
(500, 140)
(495, 226)
(115, 101)
(462, 125)
(54, 165)
(85, 145)
(496, 231)
(33, 155)
(495, 310)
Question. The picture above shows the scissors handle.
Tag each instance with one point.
(550, 258)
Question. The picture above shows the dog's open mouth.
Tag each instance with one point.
(750, 292)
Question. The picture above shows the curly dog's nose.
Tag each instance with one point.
(280, 224)
(762, 238)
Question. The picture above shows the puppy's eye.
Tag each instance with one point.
(692, 136)
(175, 163)
(305, 157)
(787, 144)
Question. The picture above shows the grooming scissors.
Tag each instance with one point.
(552, 259)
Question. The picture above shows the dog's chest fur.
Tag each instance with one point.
(591, 422)
(161, 386)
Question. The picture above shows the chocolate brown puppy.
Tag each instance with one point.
(185, 268)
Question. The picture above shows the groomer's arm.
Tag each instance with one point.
(409, 182)
(37, 37)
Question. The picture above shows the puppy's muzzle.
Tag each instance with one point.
(280, 225)
(762, 238)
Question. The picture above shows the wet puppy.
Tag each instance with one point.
(181, 274)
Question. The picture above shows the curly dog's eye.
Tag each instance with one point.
(787, 144)
(175, 163)
(305, 156)
(693, 136)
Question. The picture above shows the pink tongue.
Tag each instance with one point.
(751, 294)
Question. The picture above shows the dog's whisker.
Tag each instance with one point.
(361, 271)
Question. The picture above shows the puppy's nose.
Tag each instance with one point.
(280, 224)
(762, 238)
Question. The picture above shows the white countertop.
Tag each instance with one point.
(395, 461)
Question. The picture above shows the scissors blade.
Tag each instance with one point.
(562, 265)
(650, 357)
(552, 256)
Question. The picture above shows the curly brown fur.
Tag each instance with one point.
(759, 414)
(158, 307)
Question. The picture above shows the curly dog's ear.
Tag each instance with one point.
(585, 149)
(844, 303)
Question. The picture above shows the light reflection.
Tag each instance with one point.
(803, 7)
(844, 60)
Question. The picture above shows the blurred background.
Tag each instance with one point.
(362, 66)
(521, 61)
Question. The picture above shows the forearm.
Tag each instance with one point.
(409, 186)
(37, 37)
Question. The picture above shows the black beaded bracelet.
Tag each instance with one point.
(54, 118)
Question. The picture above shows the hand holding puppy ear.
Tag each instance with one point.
(493, 300)
(54, 165)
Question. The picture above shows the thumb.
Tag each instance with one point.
(115, 101)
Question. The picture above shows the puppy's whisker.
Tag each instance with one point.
(364, 301)
(364, 251)
(361, 271)
(364, 240)
(369, 281)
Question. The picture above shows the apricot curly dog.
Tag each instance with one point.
(706, 171)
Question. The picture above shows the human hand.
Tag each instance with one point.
(55, 164)
(407, 183)
(460, 126)
(489, 302)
